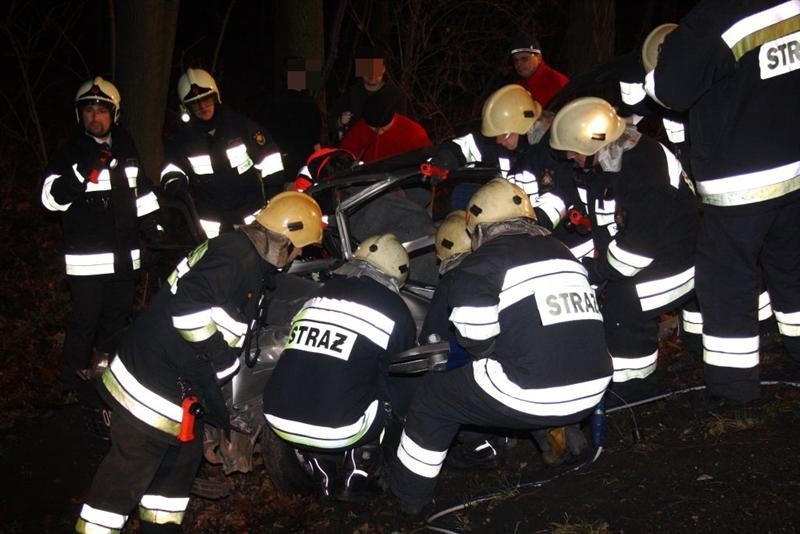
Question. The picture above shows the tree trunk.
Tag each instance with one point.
(146, 37)
(590, 34)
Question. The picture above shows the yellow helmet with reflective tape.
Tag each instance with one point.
(652, 45)
(497, 200)
(452, 237)
(385, 253)
(295, 215)
(510, 109)
(586, 125)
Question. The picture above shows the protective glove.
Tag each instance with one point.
(103, 159)
(204, 385)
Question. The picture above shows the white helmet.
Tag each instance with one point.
(196, 84)
(98, 91)
(652, 45)
(452, 237)
(586, 125)
(510, 109)
(385, 253)
(295, 215)
(498, 200)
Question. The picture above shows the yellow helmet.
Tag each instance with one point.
(652, 45)
(510, 109)
(196, 84)
(98, 91)
(295, 215)
(385, 253)
(497, 200)
(452, 237)
(586, 125)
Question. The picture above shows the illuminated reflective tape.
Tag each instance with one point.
(733, 352)
(632, 368)
(549, 401)
(239, 158)
(48, 201)
(145, 405)
(625, 262)
(476, 322)
(754, 30)
(271, 164)
(692, 321)
(162, 510)
(231, 370)
(788, 323)
(764, 306)
(664, 291)
(89, 264)
(751, 187)
(170, 168)
(132, 173)
(233, 331)
(469, 148)
(201, 164)
(324, 437)
(523, 281)
(197, 326)
(355, 317)
(93, 520)
(505, 166)
(674, 167)
(419, 460)
(146, 204)
(211, 228)
(103, 182)
(583, 250)
(552, 206)
(676, 130)
(526, 180)
(632, 93)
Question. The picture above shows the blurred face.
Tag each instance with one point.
(371, 71)
(578, 159)
(526, 63)
(96, 119)
(204, 108)
(508, 141)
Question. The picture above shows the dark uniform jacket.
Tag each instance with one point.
(188, 338)
(645, 224)
(735, 65)
(522, 306)
(106, 202)
(225, 160)
(331, 376)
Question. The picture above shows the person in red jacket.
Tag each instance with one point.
(382, 132)
(541, 80)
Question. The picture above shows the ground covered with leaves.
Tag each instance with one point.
(664, 468)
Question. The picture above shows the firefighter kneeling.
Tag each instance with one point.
(184, 345)
(330, 391)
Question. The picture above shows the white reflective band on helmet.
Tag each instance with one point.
(95, 520)
(201, 164)
(469, 148)
(764, 306)
(211, 228)
(146, 204)
(630, 368)
(549, 401)
(692, 321)
(625, 262)
(676, 130)
(419, 460)
(752, 31)
(788, 323)
(583, 250)
(632, 93)
(239, 158)
(665, 291)
(358, 318)
(271, 164)
(751, 187)
(324, 437)
(145, 405)
(47, 196)
(552, 206)
(733, 352)
(170, 168)
(476, 322)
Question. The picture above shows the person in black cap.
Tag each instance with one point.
(541, 80)
(370, 67)
(383, 131)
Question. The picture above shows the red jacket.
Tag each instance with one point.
(544, 83)
(367, 145)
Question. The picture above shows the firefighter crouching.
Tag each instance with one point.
(523, 307)
(329, 393)
(183, 345)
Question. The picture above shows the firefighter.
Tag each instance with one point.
(644, 224)
(173, 359)
(734, 67)
(329, 393)
(230, 163)
(524, 309)
(106, 204)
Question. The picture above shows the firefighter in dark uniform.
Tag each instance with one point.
(172, 360)
(644, 224)
(329, 393)
(735, 68)
(514, 138)
(230, 163)
(523, 307)
(106, 204)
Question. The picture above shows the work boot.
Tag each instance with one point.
(483, 453)
(321, 468)
(360, 469)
